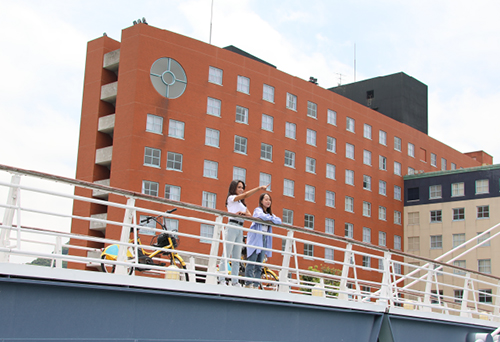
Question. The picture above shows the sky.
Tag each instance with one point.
(450, 45)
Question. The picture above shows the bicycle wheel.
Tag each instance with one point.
(177, 261)
(266, 276)
(110, 268)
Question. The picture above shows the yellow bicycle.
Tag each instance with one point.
(166, 241)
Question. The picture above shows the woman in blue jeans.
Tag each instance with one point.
(255, 240)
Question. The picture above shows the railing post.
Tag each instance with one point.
(345, 272)
(214, 251)
(57, 262)
(283, 275)
(8, 217)
(428, 287)
(386, 288)
(496, 304)
(125, 236)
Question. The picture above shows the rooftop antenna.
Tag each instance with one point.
(340, 77)
(354, 62)
(211, 16)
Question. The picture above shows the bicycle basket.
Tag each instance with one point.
(162, 240)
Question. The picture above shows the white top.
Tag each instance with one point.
(234, 207)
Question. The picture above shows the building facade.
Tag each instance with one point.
(446, 209)
(170, 116)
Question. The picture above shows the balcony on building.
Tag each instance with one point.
(103, 156)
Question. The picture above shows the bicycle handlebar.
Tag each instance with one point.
(149, 218)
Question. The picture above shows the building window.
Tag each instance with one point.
(266, 152)
(349, 204)
(367, 182)
(397, 193)
(215, 75)
(152, 157)
(413, 194)
(309, 221)
(349, 151)
(366, 262)
(436, 216)
(367, 209)
(287, 216)
(331, 117)
(484, 266)
(268, 93)
(457, 189)
(329, 226)
(397, 242)
(239, 174)
(290, 159)
(330, 171)
(382, 163)
(367, 235)
(329, 254)
(382, 188)
(435, 191)
(330, 199)
(397, 168)
(267, 123)
(310, 193)
(150, 188)
(349, 177)
(172, 225)
(458, 239)
(241, 114)
(154, 124)
(265, 179)
(443, 164)
(310, 165)
(243, 85)
(209, 200)
(483, 238)
(290, 130)
(367, 131)
(382, 138)
(414, 218)
(382, 239)
(433, 160)
(458, 295)
(414, 243)
(311, 137)
(206, 231)
(349, 230)
(411, 150)
(291, 101)
(213, 107)
(459, 263)
(350, 123)
(288, 187)
(173, 192)
(382, 213)
(212, 137)
(331, 144)
(210, 169)
(308, 250)
(240, 144)
(367, 157)
(482, 186)
(312, 109)
(176, 129)
(174, 161)
(397, 144)
(458, 214)
(483, 211)
(397, 217)
(485, 296)
(436, 241)
(453, 166)
(411, 171)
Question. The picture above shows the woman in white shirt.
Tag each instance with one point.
(235, 203)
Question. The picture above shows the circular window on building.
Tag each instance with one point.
(168, 77)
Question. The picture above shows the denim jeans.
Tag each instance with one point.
(232, 250)
(254, 270)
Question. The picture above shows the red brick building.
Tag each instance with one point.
(185, 126)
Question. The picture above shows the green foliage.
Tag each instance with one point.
(326, 281)
(48, 262)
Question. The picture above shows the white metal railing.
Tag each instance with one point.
(37, 217)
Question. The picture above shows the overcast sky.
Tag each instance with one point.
(450, 45)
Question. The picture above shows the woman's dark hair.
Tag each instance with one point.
(268, 210)
(232, 190)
